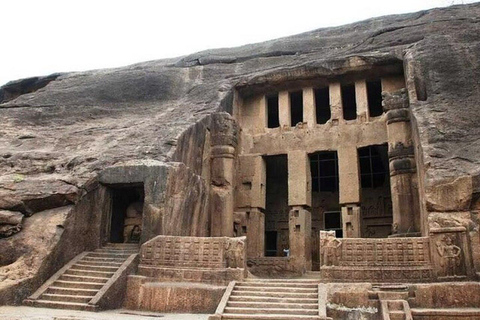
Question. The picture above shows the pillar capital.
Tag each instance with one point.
(395, 100)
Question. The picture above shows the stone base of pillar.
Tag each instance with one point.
(251, 223)
(300, 237)
(351, 221)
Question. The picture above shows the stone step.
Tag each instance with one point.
(117, 251)
(395, 305)
(76, 278)
(72, 291)
(237, 316)
(89, 273)
(304, 312)
(66, 297)
(115, 245)
(391, 295)
(272, 299)
(293, 280)
(109, 255)
(275, 294)
(78, 284)
(276, 289)
(277, 284)
(94, 262)
(273, 305)
(64, 305)
(86, 266)
(104, 259)
(397, 315)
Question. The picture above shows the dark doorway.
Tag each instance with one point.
(374, 95)
(349, 102)
(325, 199)
(276, 210)
(271, 243)
(127, 210)
(333, 222)
(375, 193)
(273, 120)
(296, 107)
(322, 105)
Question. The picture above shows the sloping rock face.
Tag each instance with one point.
(59, 132)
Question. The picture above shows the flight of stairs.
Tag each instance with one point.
(393, 302)
(80, 283)
(272, 299)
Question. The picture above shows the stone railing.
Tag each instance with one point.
(387, 259)
(194, 252)
(269, 266)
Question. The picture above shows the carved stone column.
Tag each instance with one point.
(299, 217)
(402, 163)
(349, 179)
(250, 200)
(224, 141)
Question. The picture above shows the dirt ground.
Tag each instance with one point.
(29, 313)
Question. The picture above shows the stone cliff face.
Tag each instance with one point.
(59, 132)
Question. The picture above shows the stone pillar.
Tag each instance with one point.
(336, 101)
(299, 179)
(349, 184)
(299, 217)
(284, 109)
(251, 197)
(300, 236)
(351, 221)
(309, 109)
(402, 163)
(224, 141)
(251, 223)
(362, 100)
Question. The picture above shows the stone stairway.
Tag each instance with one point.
(273, 299)
(394, 303)
(81, 284)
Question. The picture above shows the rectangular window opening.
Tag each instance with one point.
(296, 107)
(374, 94)
(374, 168)
(273, 120)
(322, 105)
(333, 222)
(324, 170)
(349, 102)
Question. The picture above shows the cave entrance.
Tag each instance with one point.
(377, 213)
(276, 210)
(126, 214)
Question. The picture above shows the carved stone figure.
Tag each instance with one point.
(329, 249)
(133, 222)
(450, 254)
(235, 253)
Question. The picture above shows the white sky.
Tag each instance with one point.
(40, 37)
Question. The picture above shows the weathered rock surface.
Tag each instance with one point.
(10, 222)
(82, 122)
(10, 217)
(58, 132)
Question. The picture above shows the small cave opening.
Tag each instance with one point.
(273, 120)
(349, 102)
(126, 214)
(322, 105)
(296, 107)
(374, 96)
